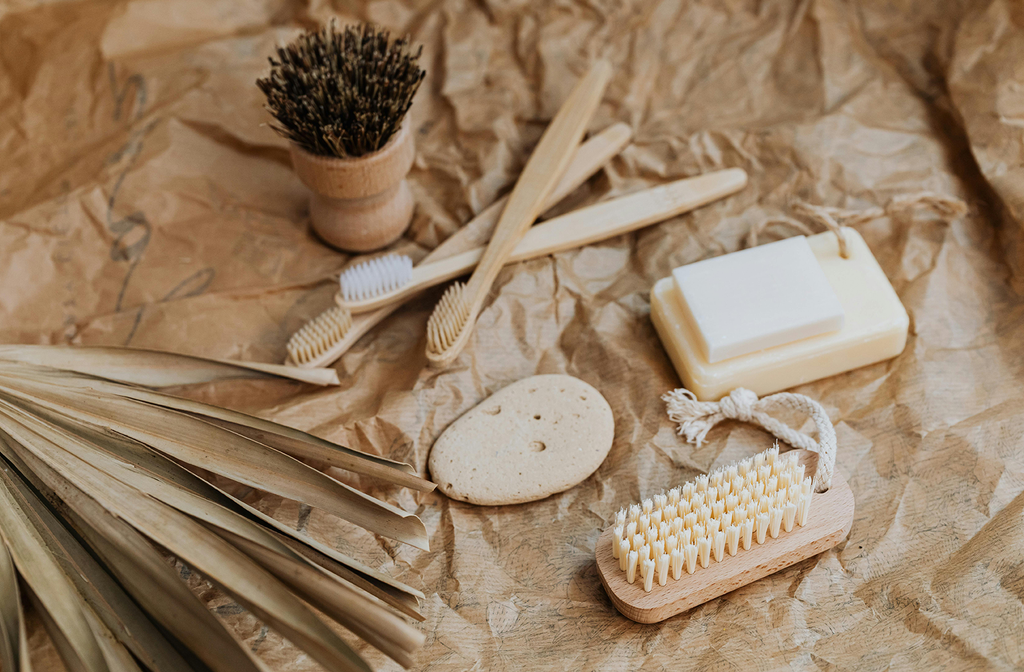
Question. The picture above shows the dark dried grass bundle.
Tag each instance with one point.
(342, 94)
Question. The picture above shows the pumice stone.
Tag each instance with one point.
(529, 440)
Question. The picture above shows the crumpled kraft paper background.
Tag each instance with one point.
(144, 202)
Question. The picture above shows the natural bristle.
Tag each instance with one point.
(342, 94)
(377, 276)
(448, 319)
(711, 518)
(319, 335)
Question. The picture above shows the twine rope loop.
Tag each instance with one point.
(697, 418)
(833, 219)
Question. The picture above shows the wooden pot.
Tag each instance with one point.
(360, 204)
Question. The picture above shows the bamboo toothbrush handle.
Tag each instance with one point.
(627, 213)
(542, 172)
(593, 154)
(576, 229)
(589, 158)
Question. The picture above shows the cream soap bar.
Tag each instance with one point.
(774, 294)
(874, 328)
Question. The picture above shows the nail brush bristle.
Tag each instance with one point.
(712, 518)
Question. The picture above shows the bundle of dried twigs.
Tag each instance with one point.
(342, 93)
(101, 473)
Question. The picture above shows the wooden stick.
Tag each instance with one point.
(575, 229)
(831, 518)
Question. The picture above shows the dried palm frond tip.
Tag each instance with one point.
(102, 475)
(342, 94)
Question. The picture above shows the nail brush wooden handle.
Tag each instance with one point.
(830, 521)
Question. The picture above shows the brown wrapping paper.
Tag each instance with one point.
(144, 202)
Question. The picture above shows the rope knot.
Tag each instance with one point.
(696, 418)
(739, 405)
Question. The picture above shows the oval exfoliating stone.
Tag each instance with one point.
(536, 437)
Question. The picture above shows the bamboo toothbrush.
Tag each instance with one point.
(328, 336)
(719, 532)
(451, 324)
(392, 278)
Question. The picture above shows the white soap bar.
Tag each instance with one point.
(757, 298)
(874, 329)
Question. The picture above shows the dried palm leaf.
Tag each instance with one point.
(78, 637)
(141, 458)
(99, 477)
(207, 446)
(142, 571)
(98, 588)
(326, 591)
(290, 441)
(156, 369)
(151, 581)
(236, 572)
(13, 644)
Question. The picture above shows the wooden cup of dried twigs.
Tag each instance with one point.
(341, 98)
(363, 203)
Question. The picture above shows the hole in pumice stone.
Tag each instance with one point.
(493, 411)
(537, 446)
(536, 417)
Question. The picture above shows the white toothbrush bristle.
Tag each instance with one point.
(447, 320)
(713, 517)
(376, 276)
(318, 335)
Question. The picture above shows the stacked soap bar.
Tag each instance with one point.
(757, 298)
(778, 315)
(715, 515)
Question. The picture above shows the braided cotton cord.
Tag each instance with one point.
(696, 418)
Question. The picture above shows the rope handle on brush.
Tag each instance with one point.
(696, 418)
